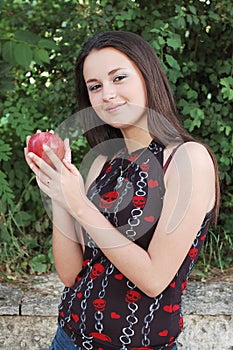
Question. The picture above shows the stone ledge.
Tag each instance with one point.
(28, 318)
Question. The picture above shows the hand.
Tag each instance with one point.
(63, 183)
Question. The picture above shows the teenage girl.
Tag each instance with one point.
(126, 240)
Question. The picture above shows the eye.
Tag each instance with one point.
(120, 77)
(94, 87)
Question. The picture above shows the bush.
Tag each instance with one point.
(38, 47)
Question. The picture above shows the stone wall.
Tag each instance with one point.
(28, 319)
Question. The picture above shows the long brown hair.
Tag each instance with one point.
(163, 118)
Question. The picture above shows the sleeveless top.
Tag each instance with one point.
(104, 310)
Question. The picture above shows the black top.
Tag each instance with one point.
(103, 310)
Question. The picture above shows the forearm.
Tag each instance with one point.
(67, 250)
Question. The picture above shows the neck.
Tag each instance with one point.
(136, 139)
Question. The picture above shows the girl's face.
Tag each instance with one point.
(116, 88)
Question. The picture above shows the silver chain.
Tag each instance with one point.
(122, 171)
(99, 314)
(128, 331)
(128, 187)
(148, 319)
(134, 220)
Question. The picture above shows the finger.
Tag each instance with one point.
(29, 161)
(72, 168)
(27, 140)
(40, 164)
(43, 187)
(67, 150)
(53, 157)
(43, 179)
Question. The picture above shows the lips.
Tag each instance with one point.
(114, 107)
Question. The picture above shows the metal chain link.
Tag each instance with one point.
(128, 331)
(134, 220)
(148, 319)
(120, 199)
(98, 315)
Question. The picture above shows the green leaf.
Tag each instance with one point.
(23, 55)
(39, 263)
(161, 40)
(5, 151)
(227, 82)
(193, 9)
(8, 52)
(23, 218)
(4, 68)
(24, 35)
(41, 55)
(6, 193)
(47, 44)
(172, 62)
(191, 94)
(174, 42)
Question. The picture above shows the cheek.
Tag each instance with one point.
(94, 100)
(137, 94)
(141, 94)
(99, 111)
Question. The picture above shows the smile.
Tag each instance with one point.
(114, 107)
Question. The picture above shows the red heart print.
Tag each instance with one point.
(79, 295)
(75, 317)
(101, 336)
(184, 285)
(152, 183)
(175, 307)
(149, 218)
(168, 308)
(85, 262)
(173, 284)
(108, 169)
(118, 276)
(132, 157)
(164, 333)
(69, 326)
(115, 315)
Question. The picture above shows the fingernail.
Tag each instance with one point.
(45, 148)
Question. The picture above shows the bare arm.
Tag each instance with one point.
(67, 237)
(190, 193)
(67, 250)
(150, 270)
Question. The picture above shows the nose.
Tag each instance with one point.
(108, 92)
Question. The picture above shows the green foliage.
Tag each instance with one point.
(39, 42)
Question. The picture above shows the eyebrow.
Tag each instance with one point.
(113, 71)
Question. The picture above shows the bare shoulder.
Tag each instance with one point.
(191, 161)
(196, 154)
(95, 170)
(191, 174)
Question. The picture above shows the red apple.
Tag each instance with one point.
(39, 139)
